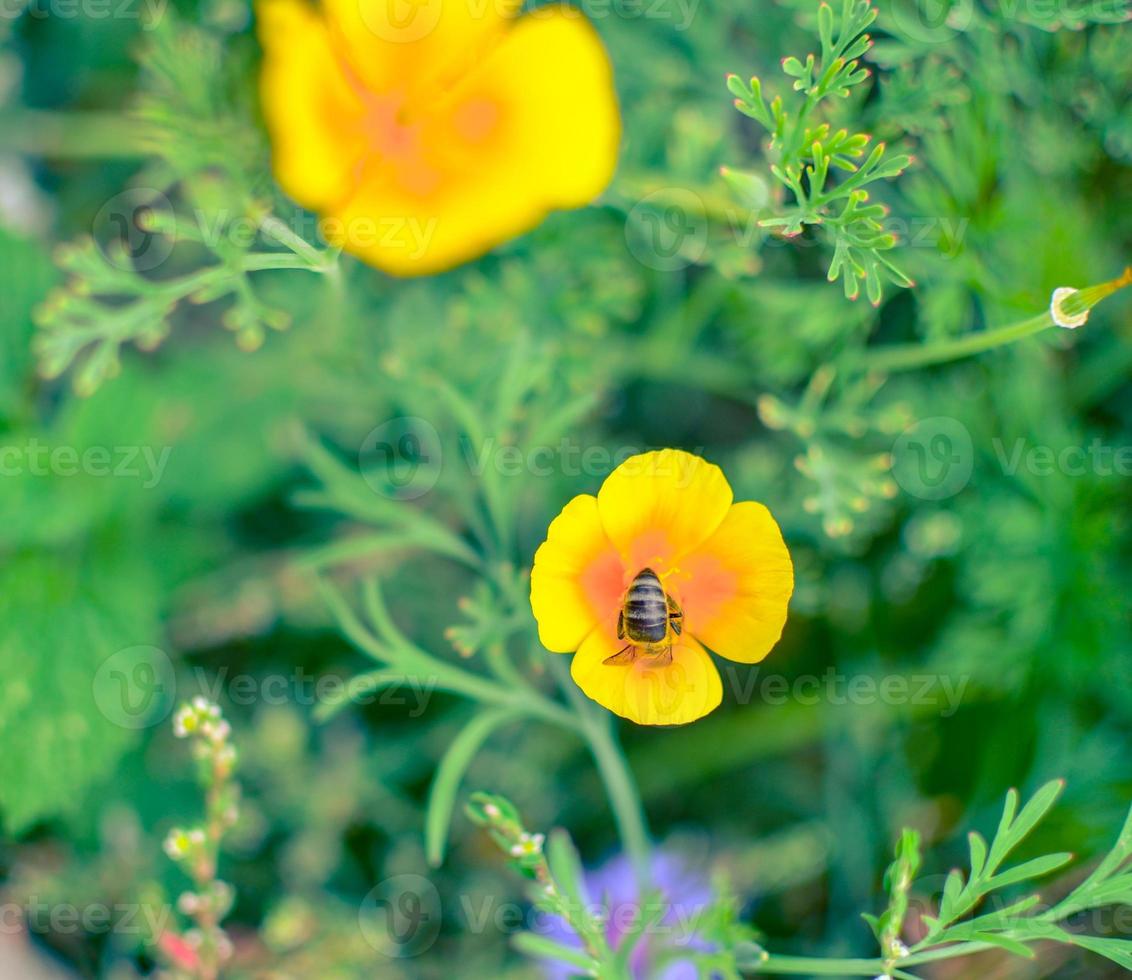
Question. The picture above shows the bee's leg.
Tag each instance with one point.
(664, 658)
(621, 625)
(675, 616)
(626, 655)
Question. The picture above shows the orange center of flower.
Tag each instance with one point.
(701, 585)
(416, 138)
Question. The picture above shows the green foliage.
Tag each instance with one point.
(27, 277)
(206, 149)
(802, 150)
(205, 947)
(275, 540)
(63, 622)
(1008, 924)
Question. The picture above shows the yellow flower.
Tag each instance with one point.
(724, 566)
(426, 132)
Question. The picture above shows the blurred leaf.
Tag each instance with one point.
(58, 625)
(442, 796)
(26, 274)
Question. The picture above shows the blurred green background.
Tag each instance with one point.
(998, 589)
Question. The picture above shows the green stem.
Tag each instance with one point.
(596, 728)
(622, 791)
(946, 953)
(324, 260)
(905, 357)
(73, 135)
(812, 966)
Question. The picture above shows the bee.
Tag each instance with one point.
(649, 619)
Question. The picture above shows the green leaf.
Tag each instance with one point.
(952, 889)
(26, 275)
(978, 853)
(1117, 950)
(1029, 869)
(566, 868)
(63, 722)
(539, 947)
(1004, 942)
(446, 783)
(1013, 830)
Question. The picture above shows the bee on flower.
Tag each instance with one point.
(638, 580)
(426, 134)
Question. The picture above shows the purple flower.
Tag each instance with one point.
(684, 896)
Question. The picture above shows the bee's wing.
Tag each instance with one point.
(626, 655)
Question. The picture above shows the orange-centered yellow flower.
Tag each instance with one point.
(426, 132)
(723, 569)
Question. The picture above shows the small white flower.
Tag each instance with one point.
(492, 811)
(184, 722)
(899, 950)
(201, 703)
(196, 837)
(1058, 314)
(188, 902)
(224, 947)
(176, 844)
(528, 845)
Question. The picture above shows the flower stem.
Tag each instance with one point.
(621, 789)
(905, 357)
(811, 966)
(73, 135)
(622, 792)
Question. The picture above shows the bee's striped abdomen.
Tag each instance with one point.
(646, 609)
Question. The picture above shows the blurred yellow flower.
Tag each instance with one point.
(722, 567)
(426, 132)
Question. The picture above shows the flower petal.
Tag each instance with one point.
(416, 45)
(682, 691)
(313, 114)
(735, 588)
(533, 127)
(577, 579)
(658, 506)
